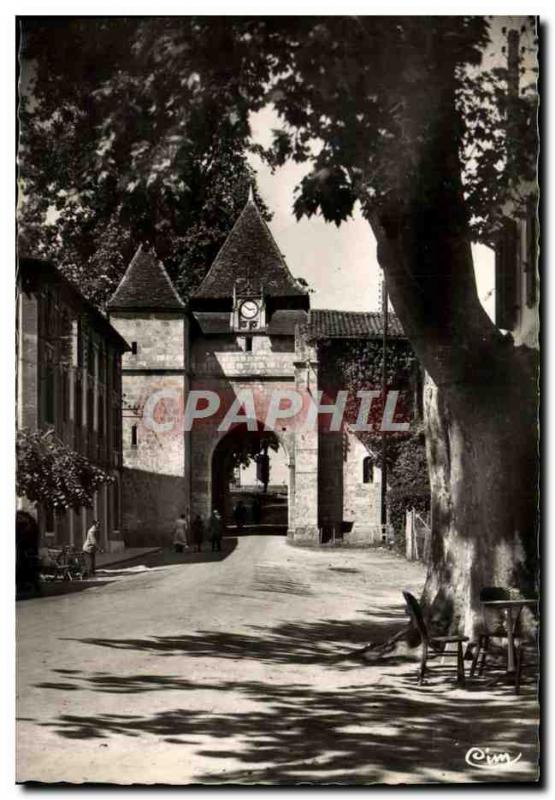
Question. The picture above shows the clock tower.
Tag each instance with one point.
(249, 308)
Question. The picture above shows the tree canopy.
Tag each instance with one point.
(136, 130)
(121, 146)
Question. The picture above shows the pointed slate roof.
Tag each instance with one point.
(251, 260)
(146, 284)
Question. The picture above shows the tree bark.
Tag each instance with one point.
(481, 449)
(481, 433)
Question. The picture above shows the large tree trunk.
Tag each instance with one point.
(481, 403)
(481, 431)
(482, 458)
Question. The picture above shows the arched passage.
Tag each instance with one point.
(250, 480)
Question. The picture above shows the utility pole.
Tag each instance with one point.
(384, 390)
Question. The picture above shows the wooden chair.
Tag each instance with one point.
(493, 627)
(436, 644)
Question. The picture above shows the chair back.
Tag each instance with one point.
(415, 613)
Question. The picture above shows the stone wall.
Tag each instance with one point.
(155, 488)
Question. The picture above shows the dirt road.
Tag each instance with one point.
(226, 669)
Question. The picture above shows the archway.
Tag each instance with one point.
(250, 481)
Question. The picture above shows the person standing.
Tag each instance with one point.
(90, 545)
(240, 515)
(180, 536)
(216, 530)
(197, 531)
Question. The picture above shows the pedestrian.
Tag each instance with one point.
(90, 545)
(240, 515)
(197, 531)
(256, 511)
(180, 539)
(216, 530)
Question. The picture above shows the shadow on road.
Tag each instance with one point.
(110, 573)
(385, 728)
(320, 642)
(298, 732)
(55, 588)
(168, 557)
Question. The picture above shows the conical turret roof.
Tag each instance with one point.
(250, 261)
(146, 284)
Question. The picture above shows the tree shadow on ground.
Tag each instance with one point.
(379, 727)
(168, 557)
(55, 588)
(390, 730)
(325, 642)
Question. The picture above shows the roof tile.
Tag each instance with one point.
(331, 324)
(251, 260)
(146, 284)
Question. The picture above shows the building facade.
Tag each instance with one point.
(246, 337)
(69, 380)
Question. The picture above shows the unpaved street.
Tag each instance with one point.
(225, 670)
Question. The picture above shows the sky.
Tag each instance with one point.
(340, 264)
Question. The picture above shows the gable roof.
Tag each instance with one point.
(146, 284)
(32, 273)
(330, 324)
(250, 260)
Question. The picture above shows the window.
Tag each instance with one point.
(115, 371)
(248, 344)
(90, 357)
(506, 254)
(101, 365)
(531, 256)
(116, 512)
(116, 428)
(368, 470)
(90, 407)
(134, 348)
(78, 401)
(49, 387)
(101, 415)
(76, 349)
(49, 520)
(65, 395)
(133, 436)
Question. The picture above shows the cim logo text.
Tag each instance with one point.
(490, 758)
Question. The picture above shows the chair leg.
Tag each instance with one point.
(518, 670)
(423, 659)
(485, 648)
(460, 665)
(476, 656)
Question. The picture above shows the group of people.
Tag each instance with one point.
(192, 535)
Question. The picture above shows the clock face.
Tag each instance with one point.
(248, 309)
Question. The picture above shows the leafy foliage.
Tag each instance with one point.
(51, 473)
(136, 130)
(129, 135)
(368, 91)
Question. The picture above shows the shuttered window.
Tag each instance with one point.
(531, 256)
(506, 266)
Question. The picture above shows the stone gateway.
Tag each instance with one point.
(247, 332)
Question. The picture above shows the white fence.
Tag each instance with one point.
(417, 537)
